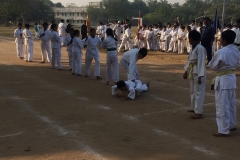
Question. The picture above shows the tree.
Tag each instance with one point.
(71, 5)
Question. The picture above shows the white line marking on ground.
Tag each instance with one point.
(167, 110)
(166, 100)
(83, 98)
(205, 151)
(104, 107)
(130, 118)
(11, 135)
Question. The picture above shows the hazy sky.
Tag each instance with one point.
(85, 2)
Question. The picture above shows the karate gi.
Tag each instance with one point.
(128, 62)
(126, 40)
(62, 31)
(167, 39)
(155, 39)
(69, 49)
(56, 41)
(196, 59)
(188, 45)
(193, 27)
(142, 41)
(181, 41)
(92, 53)
(28, 42)
(45, 45)
(77, 46)
(173, 41)
(237, 40)
(19, 42)
(225, 59)
(112, 59)
(118, 31)
(133, 88)
(149, 37)
(162, 41)
(102, 33)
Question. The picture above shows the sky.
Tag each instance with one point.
(85, 2)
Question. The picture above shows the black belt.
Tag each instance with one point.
(237, 44)
(111, 49)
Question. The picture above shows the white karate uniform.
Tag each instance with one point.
(62, 31)
(128, 62)
(193, 27)
(173, 41)
(188, 45)
(237, 40)
(199, 29)
(45, 45)
(102, 33)
(167, 39)
(112, 59)
(197, 91)
(155, 39)
(118, 32)
(19, 42)
(92, 53)
(28, 42)
(142, 42)
(133, 88)
(162, 40)
(77, 46)
(126, 40)
(149, 37)
(67, 42)
(56, 41)
(227, 58)
(181, 42)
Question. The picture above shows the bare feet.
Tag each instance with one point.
(98, 77)
(220, 135)
(86, 76)
(190, 110)
(196, 116)
(148, 84)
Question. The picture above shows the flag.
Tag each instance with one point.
(88, 24)
(216, 24)
(139, 23)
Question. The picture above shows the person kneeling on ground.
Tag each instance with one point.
(133, 88)
(225, 61)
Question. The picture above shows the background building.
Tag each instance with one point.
(95, 4)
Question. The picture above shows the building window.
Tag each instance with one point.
(57, 14)
(77, 21)
(62, 14)
(81, 14)
(65, 14)
(73, 14)
(70, 14)
(73, 21)
(77, 14)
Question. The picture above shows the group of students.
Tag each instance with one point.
(225, 62)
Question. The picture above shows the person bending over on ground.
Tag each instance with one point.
(131, 87)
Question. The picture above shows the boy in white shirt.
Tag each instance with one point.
(19, 40)
(181, 40)
(45, 36)
(126, 38)
(225, 61)
(149, 34)
(162, 39)
(68, 42)
(173, 41)
(195, 71)
(28, 42)
(167, 37)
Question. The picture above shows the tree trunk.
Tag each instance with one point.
(6, 20)
(23, 19)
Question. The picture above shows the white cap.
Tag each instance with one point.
(119, 22)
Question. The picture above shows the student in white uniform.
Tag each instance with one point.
(118, 31)
(92, 53)
(142, 41)
(62, 30)
(56, 41)
(149, 34)
(134, 88)
(225, 61)
(195, 71)
(162, 39)
(199, 27)
(173, 41)
(193, 25)
(19, 41)
(45, 37)
(237, 31)
(129, 59)
(181, 40)
(68, 42)
(188, 45)
(77, 46)
(155, 38)
(126, 38)
(28, 42)
(167, 37)
(112, 70)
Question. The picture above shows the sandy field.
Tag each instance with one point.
(48, 114)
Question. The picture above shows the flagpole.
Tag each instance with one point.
(223, 14)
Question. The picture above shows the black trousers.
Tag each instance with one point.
(207, 45)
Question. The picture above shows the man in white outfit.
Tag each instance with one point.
(129, 86)
(62, 30)
(167, 37)
(129, 60)
(126, 40)
(28, 42)
(225, 61)
(193, 25)
(19, 41)
(237, 31)
(173, 42)
(118, 31)
(45, 36)
(195, 71)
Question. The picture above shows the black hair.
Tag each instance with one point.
(27, 25)
(74, 34)
(121, 84)
(67, 21)
(19, 24)
(195, 35)
(53, 26)
(52, 21)
(229, 36)
(189, 28)
(238, 21)
(169, 24)
(109, 32)
(144, 26)
(45, 24)
(143, 52)
(36, 23)
(230, 26)
(62, 20)
(183, 27)
(193, 21)
(72, 29)
(100, 23)
(92, 29)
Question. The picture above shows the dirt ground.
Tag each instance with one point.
(50, 114)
